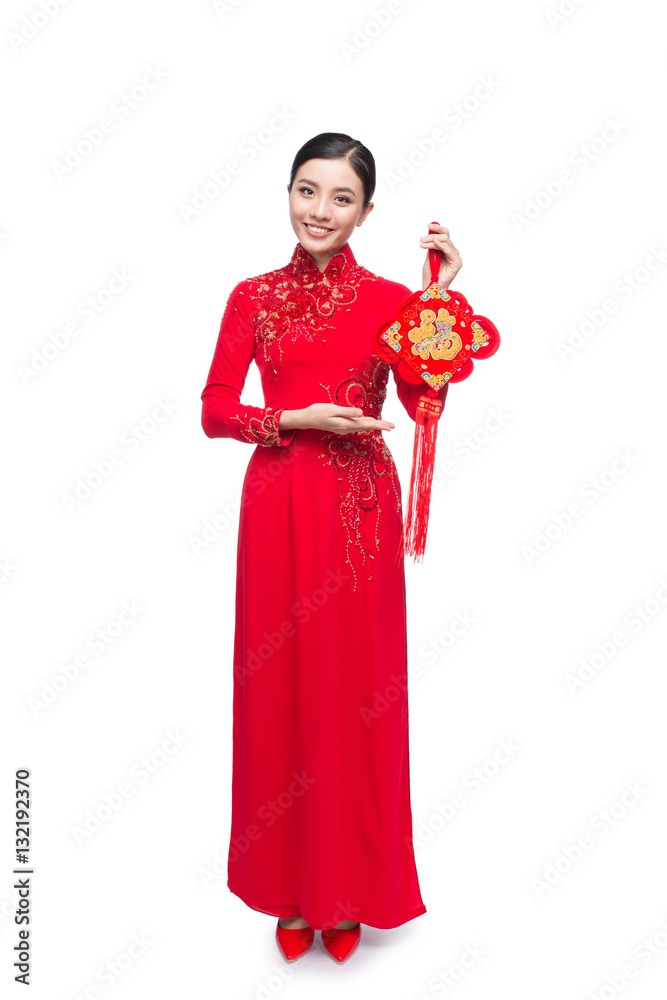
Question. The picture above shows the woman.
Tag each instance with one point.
(321, 831)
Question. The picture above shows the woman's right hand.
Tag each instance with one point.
(341, 419)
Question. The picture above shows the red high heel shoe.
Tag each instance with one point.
(342, 942)
(294, 942)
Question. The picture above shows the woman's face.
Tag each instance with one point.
(327, 195)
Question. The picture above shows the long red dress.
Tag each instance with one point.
(321, 816)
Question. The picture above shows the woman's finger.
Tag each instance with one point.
(438, 239)
(446, 246)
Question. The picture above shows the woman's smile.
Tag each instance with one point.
(317, 230)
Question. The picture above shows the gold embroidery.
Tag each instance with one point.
(261, 430)
(299, 299)
(361, 456)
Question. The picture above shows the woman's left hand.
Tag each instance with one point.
(450, 262)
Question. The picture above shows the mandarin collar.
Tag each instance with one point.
(303, 263)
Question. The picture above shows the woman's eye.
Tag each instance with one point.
(307, 190)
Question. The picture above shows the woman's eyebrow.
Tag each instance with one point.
(304, 180)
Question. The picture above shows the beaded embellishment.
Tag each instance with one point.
(264, 430)
(298, 299)
(362, 457)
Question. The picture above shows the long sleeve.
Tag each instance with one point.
(223, 414)
(409, 393)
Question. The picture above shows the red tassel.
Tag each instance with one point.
(413, 540)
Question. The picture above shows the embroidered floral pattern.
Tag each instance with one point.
(261, 430)
(298, 299)
(362, 457)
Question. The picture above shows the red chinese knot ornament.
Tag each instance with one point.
(433, 338)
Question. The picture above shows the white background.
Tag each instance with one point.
(494, 870)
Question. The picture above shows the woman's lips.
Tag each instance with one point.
(314, 233)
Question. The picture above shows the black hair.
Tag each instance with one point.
(335, 146)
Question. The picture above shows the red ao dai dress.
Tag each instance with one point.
(321, 817)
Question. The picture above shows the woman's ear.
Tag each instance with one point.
(366, 212)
